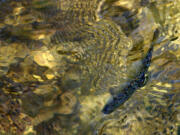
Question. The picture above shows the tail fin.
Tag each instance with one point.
(147, 59)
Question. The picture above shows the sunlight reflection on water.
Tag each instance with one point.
(59, 58)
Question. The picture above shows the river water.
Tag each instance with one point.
(60, 60)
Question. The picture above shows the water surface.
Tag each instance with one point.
(59, 59)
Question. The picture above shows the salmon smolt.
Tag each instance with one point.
(126, 91)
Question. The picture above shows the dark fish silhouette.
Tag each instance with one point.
(130, 87)
(117, 100)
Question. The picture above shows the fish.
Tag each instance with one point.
(128, 88)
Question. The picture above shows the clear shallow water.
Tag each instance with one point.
(58, 60)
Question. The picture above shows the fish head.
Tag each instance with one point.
(109, 107)
(113, 103)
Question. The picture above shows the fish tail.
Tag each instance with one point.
(147, 59)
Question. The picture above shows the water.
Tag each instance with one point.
(58, 60)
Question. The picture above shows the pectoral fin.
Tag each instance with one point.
(147, 77)
(117, 89)
(112, 91)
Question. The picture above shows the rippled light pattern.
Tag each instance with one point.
(59, 59)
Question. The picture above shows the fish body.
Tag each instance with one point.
(130, 87)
